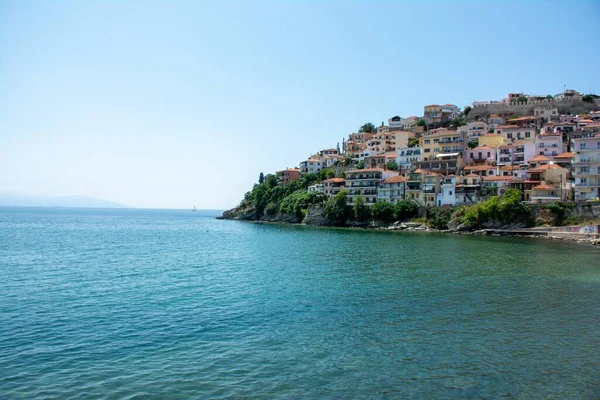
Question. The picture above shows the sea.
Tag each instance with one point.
(174, 304)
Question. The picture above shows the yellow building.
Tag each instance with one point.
(423, 186)
(491, 140)
(441, 140)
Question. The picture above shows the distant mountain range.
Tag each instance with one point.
(10, 199)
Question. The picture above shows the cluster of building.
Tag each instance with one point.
(546, 155)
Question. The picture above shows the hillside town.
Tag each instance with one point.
(547, 147)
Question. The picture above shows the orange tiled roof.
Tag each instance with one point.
(497, 178)
(524, 118)
(423, 171)
(471, 176)
(394, 179)
(478, 167)
(543, 187)
(335, 180)
(539, 158)
(365, 170)
(483, 147)
(507, 126)
(566, 154)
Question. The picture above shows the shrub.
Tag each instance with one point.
(392, 165)
(336, 209)
(361, 212)
(439, 217)
(507, 210)
(299, 201)
(405, 209)
(271, 209)
(558, 211)
(382, 211)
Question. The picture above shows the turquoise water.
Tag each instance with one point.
(175, 304)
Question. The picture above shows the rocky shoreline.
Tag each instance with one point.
(315, 217)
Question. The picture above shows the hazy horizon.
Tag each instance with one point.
(167, 105)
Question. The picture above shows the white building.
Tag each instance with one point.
(317, 187)
(474, 129)
(365, 182)
(586, 166)
(407, 156)
(392, 189)
(311, 166)
(548, 145)
(447, 195)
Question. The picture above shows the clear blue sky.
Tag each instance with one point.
(175, 103)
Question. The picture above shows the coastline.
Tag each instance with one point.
(534, 233)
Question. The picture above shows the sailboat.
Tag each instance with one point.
(194, 209)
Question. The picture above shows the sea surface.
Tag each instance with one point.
(175, 304)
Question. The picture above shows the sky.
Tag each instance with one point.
(167, 104)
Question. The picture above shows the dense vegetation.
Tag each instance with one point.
(506, 210)
(269, 198)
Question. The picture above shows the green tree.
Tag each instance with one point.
(261, 178)
(522, 99)
(348, 161)
(298, 202)
(361, 164)
(550, 97)
(392, 165)
(368, 128)
(467, 110)
(588, 98)
(513, 116)
(382, 211)
(336, 209)
(413, 141)
(420, 122)
(326, 173)
(361, 211)
(472, 144)
(271, 180)
(405, 209)
(271, 209)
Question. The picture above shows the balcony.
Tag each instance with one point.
(587, 173)
(362, 184)
(359, 177)
(585, 161)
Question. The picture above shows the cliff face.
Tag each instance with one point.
(240, 213)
